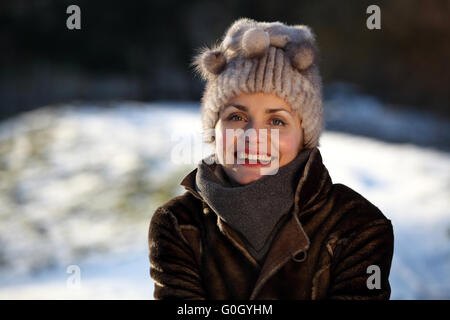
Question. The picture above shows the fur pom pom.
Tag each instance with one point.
(301, 55)
(255, 42)
(209, 62)
(214, 61)
(279, 41)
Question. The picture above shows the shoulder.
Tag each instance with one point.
(183, 209)
(355, 214)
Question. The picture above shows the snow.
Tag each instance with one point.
(120, 277)
(65, 209)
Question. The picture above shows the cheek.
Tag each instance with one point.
(221, 139)
(289, 143)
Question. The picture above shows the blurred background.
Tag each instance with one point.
(91, 121)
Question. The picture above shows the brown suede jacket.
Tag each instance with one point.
(322, 251)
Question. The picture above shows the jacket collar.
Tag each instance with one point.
(312, 188)
(311, 192)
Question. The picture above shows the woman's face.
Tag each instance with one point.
(251, 113)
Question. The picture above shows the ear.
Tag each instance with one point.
(209, 62)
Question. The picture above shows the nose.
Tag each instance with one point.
(256, 133)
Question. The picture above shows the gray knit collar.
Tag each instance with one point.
(254, 209)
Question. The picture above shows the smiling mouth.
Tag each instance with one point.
(253, 159)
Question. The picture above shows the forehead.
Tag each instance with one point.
(259, 102)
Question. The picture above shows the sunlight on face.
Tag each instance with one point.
(251, 113)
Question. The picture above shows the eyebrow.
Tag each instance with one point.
(244, 108)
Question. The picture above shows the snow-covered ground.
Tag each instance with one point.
(69, 196)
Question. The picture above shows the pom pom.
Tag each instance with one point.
(255, 42)
(279, 40)
(301, 55)
(209, 62)
(214, 61)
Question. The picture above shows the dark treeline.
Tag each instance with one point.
(141, 50)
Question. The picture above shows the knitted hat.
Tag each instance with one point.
(263, 57)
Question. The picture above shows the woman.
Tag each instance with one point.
(261, 218)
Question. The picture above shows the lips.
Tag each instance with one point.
(247, 151)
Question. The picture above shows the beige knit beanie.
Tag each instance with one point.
(263, 57)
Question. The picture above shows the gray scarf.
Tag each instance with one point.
(255, 210)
